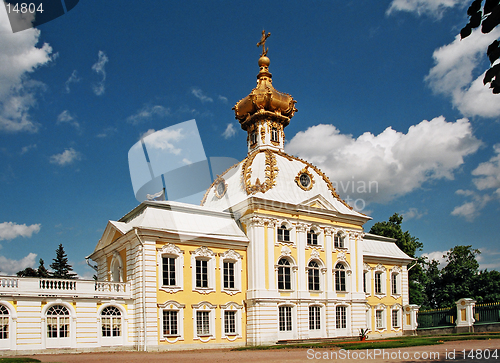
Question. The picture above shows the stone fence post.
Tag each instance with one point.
(465, 315)
(410, 319)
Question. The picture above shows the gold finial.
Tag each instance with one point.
(263, 43)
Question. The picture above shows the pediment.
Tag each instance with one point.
(319, 202)
(112, 232)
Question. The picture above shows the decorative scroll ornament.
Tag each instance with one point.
(231, 255)
(366, 267)
(285, 251)
(315, 254)
(172, 249)
(380, 267)
(204, 252)
(220, 187)
(304, 179)
(396, 269)
(341, 256)
(263, 133)
(271, 173)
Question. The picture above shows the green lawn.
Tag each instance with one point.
(399, 342)
(18, 360)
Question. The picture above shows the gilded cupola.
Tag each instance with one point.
(265, 112)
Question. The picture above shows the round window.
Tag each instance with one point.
(305, 180)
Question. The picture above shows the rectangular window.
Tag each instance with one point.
(312, 238)
(283, 234)
(395, 319)
(338, 241)
(168, 271)
(170, 322)
(201, 273)
(230, 322)
(341, 317)
(394, 284)
(365, 277)
(228, 275)
(379, 319)
(285, 318)
(314, 317)
(378, 283)
(203, 323)
(4, 327)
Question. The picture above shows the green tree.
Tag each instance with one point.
(432, 284)
(487, 287)
(42, 271)
(27, 272)
(488, 17)
(61, 268)
(458, 276)
(409, 245)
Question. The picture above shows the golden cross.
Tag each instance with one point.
(263, 42)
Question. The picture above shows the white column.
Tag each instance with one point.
(256, 262)
(410, 317)
(301, 257)
(329, 263)
(271, 262)
(465, 312)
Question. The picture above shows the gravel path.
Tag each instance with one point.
(441, 353)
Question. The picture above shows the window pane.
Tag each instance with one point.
(395, 320)
(285, 318)
(230, 322)
(341, 317)
(228, 275)
(168, 271)
(169, 322)
(203, 322)
(4, 322)
(378, 318)
(314, 318)
(201, 273)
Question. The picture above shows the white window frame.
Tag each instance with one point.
(347, 270)
(396, 308)
(115, 272)
(172, 305)
(171, 250)
(10, 342)
(289, 228)
(203, 253)
(69, 341)
(346, 316)
(383, 311)
(321, 271)
(368, 313)
(236, 259)
(292, 322)
(343, 236)
(113, 340)
(293, 269)
(381, 270)
(207, 307)
(367, 279)
(396, 274)
(237, 309)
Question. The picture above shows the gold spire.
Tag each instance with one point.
(263, 42)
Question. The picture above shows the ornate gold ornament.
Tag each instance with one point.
(263, 132)
(215, 182)
(304, 179)
(220, 187)
(263, 42)
(271, 172)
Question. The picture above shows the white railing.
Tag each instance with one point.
(57, 287)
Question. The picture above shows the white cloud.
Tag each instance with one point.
(98, 67)
(438, 256)
(163, 140)
(10, 267)
(198, 93)
(11, 230)
(487, 182)
(67, 157)
(413, 213)
(455, 74)
(19, 56)
(66, 117)
(433, 8)
(488, 259)
(230, 131)
(26, 149)
(147, 113)
(379, 168)
(72, 79)
(222, 99)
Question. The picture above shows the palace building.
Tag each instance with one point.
(272, 254)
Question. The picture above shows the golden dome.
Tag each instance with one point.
(265, 100)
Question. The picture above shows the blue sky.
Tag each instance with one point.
(386, 94)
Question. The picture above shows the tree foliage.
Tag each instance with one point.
(60, 267)
(31, 272)
(488, 17)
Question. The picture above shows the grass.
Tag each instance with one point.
(399, 342)
(18, 360)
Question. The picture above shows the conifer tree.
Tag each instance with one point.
(61, 268)
(42, 271)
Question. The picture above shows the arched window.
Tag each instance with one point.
(253, 138)
(340, 278)
(274, 134)
(111, 322)
(283, 234)
(4, 322)
(313, 276)
(312, 238)
(57, 322)
(284, 275)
